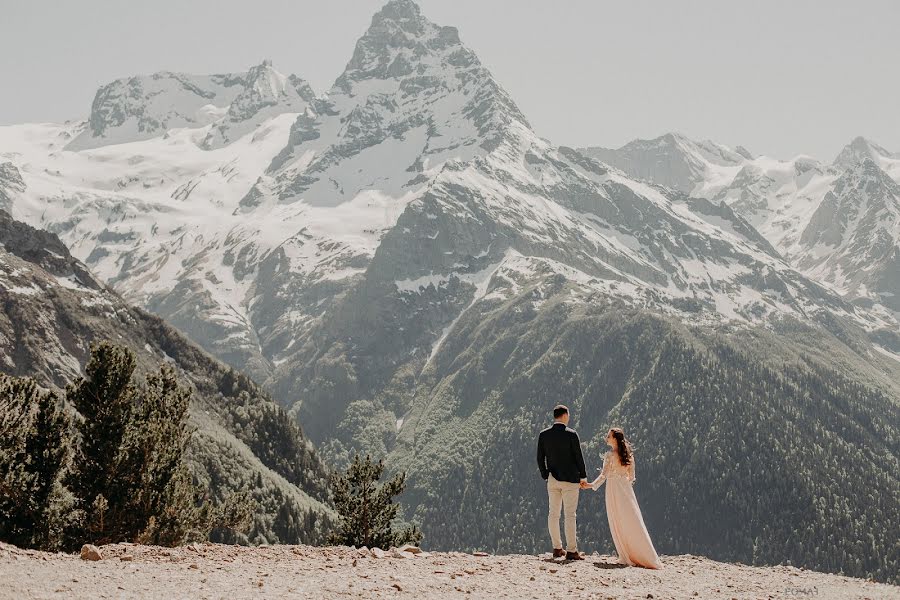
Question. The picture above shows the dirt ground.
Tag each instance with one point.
(234, 572)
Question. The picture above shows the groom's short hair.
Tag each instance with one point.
(559, 410)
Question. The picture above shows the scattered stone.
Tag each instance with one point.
(502, 576)
(479, 553)
(91, 552)
(410, 548)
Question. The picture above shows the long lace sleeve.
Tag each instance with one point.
(631, 471)
(603, 474)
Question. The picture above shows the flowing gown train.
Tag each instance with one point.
(626, 524)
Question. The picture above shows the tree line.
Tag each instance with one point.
(105, 463)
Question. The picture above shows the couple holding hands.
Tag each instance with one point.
(562, 465)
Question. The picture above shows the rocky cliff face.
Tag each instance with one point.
(10, 184)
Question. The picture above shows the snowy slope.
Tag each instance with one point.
(145, 107)
(852, 241)
(152, 215)
(816, 215)
(860, 149)
(676, 161)
(778, 196)
(253, 224)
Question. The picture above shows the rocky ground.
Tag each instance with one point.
(233, 572)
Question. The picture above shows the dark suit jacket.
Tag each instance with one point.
(559, 454)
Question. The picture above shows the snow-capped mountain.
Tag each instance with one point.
(266, 94)
(145, 107)
(778, 196)
(675, 161)
(852, 240)
(403, 257)
(416, 168)
(808, 210)
(859, 149)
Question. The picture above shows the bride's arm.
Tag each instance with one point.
(595, 484)
(631, 470)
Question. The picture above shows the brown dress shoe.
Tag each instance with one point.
(557, 552)
(574, 556)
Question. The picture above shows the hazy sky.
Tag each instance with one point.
(779, 77)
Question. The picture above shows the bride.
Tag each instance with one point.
(625, 521)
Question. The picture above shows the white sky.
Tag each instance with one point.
(781, 77)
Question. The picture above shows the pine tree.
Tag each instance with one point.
(105, 398)
(150, 461)
(367, 510)
(130, 479)
(34, 451)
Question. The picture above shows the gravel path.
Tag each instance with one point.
(234, 572)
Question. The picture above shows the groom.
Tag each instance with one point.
(561, 464)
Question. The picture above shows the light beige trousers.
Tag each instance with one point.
(563, 497)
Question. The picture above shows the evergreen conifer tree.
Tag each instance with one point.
(367, 510)
(34, 451)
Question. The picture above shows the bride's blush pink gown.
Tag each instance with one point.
(626, 524)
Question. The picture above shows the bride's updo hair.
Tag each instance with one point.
(623, 446)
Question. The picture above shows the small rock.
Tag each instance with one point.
(410, 548)
(126, 558)
(379, 553)
(91, 552)
(554, 570)
(194, 566)
(397, 587)
(480, 554)
(531, 578)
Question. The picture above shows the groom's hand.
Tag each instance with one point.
(583, 484)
